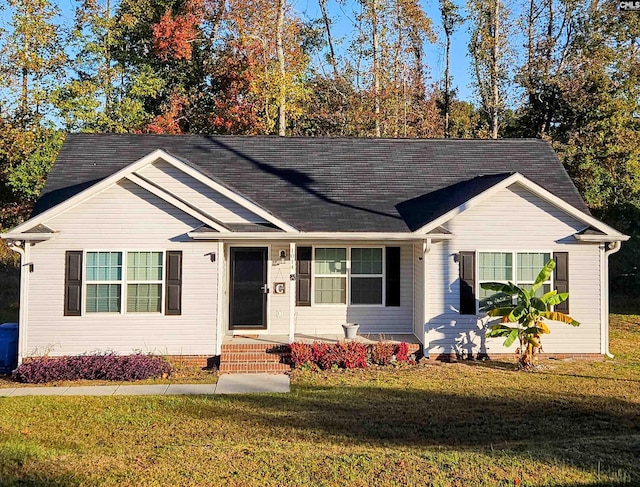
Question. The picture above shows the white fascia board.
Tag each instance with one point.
(174, 201)
(601, 238)
(346, 236)
(12, 235)
(534, 188)
(233, 196)
(136, 166)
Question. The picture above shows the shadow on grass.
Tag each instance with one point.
(575, 429)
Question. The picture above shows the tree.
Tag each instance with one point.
(451, 18)
(490, 52)
(525, 320)
(34, 58)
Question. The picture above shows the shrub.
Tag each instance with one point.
(402, 352)
(301, 353)
(106, 366)
(382, 352)
(351, 355)
(318, 352)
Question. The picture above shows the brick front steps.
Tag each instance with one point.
(253, 358)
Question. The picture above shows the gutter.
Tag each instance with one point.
(213, 236)
(610, 249)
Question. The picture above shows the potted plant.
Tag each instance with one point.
(350, 330)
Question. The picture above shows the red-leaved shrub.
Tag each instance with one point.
(106, 366)
(382, 352)
(402, 352)
(318, 351)
(351, 355)
(300, 353)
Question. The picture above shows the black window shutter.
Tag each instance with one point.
(561, 278)
(392, 265)
(73, 283)
(303, 276)
(173, 300)
(467, 283)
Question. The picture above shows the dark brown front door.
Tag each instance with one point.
(248, 297)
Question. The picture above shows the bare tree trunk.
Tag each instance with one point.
(495, 95)
(327, 26)
(447, 81)
(376, 68)
(282, 122)
(107, 52)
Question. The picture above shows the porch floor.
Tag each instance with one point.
(284, 339)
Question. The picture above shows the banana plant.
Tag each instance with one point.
(522, 314)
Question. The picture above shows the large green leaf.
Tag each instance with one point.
(500, 287)
(511, 338)
(555, 298)
(544, 275)
(500, 311)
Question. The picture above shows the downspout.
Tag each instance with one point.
(17, 246)
(613, 248)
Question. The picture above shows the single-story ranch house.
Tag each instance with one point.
(174, 244)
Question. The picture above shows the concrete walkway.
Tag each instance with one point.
(227, 384)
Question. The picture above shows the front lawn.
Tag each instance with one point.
(466, 424)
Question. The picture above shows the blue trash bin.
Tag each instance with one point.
(8, 347)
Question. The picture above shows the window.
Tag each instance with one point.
(364, 271)
(330, 281)
(104, 282)
(499, 267)
(144, 282)
(143, 273)
(366, 276)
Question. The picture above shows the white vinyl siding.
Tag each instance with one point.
(132, 218)
(532, 224)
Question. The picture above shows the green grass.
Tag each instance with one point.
(463, 424)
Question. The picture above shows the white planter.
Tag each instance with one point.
(350, 330)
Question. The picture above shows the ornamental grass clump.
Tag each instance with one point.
(521, 315)
(105, 366)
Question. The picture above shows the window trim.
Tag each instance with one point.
(123, 283)
(514, 269)
(347, 275)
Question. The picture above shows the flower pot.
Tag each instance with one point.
(350, 330)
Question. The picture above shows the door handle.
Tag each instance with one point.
(265, 289)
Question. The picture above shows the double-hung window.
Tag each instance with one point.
(109, 279)
(330, 281)
(366, 276)
(144, 282)
(104, 282)
(521, 268)
(348, 274)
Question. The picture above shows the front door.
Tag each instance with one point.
(248, 297)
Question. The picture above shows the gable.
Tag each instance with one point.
(123, 213)
(186, 188)
(527, 218)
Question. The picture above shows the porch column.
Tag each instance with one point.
(219, 317)
(426, 249)
(292, 291)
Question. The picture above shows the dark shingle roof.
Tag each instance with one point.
(326, 184)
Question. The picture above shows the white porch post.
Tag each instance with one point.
(426, 249)
(220, 307)
(292, 291)
(24, 294)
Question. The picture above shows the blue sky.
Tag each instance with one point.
(309, 9)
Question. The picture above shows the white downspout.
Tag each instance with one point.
(613, 248)
(16, 246)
